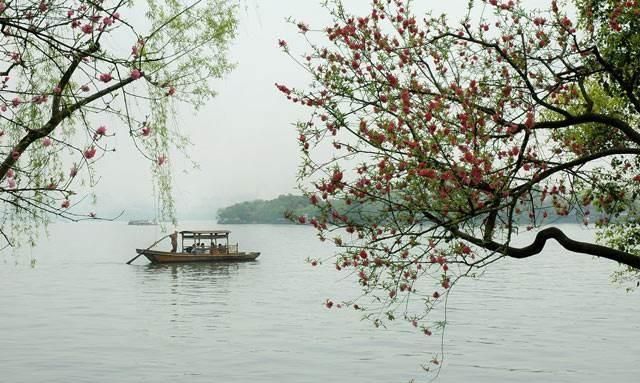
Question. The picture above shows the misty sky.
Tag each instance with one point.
(244, 139)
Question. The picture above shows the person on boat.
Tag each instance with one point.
(174, 241)
(192, 249)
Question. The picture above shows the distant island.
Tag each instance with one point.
(271, 211)
(275, 211)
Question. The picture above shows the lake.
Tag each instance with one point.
(78, 313)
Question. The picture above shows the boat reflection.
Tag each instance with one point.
(194, 272)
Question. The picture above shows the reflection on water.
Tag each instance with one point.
(82, 315)
(193, 272)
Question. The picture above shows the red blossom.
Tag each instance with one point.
(135, 74)
(283, 89)
(90, 152)
(427, 173)
(105, 77)
(337, 177)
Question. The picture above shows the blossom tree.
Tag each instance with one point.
(73, 73)
(460, 137)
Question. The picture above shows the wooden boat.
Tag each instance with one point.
(142, 222)
(199, 246)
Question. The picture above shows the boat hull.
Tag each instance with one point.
(167, 257)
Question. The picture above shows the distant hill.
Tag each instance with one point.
(273, 212)
(261, 211)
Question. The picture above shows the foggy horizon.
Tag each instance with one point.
(244, 140)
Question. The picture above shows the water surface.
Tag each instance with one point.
(82, 315)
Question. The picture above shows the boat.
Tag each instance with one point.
(198, 246)
(142, 222)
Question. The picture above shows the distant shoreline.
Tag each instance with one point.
(266, 212)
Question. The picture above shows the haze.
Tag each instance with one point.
(244, 139)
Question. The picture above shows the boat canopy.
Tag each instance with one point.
(204, 234)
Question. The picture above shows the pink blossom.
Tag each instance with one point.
(39, 99)
(3, 108)
(161, 160)
(146, 131)
(134, 51)
(46, 141)
(87, 28)
(116, 16)
(107, 21)
(75, 24)
(105, 77)
(136, 74)
(283, 89)
(16, 101)
(11, 183)
(101, 131)
(171, 91)
(70, 13)
(74, 171)
(43, 6)
(90, 153)
(15, 154)
(65, 204)
(3, 6)
(84, 88)
(10, 173)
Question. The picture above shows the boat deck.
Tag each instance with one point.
(155, 256)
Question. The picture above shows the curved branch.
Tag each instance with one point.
(574, 246)
(554, 233)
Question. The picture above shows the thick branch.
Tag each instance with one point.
(575, 246)
(554, 233)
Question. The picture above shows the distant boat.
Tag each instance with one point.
(199, 246)
(142, 222)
